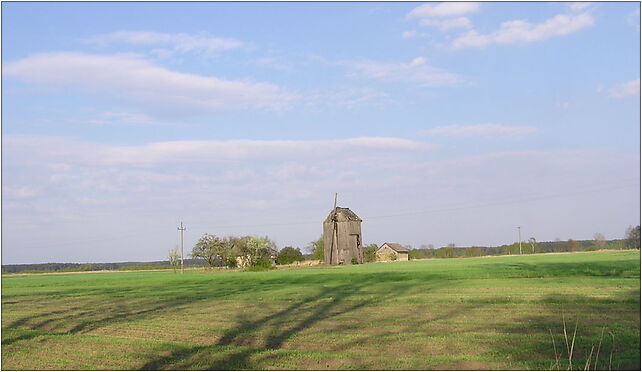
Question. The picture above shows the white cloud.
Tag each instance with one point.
(446, 9)
(125, 118)
(409, 34)
(446, 24)
(416, 71)
(62, 191)
(24, 192)
(139, 82)
(207, 151)
(520, 31)
(348, 97)
(630, 88)
(480, 130)
(159, 153)
(178, 43)
(578, 6)
(634, 18)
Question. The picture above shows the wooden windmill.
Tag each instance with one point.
(342, 237)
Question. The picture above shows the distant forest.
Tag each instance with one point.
(570, 245)
(71, 267)
(450, 251)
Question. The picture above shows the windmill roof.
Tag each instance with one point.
(343, 215)
(397, 247)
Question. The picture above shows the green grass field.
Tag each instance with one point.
(473, 313)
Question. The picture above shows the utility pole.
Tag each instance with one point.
(181, 229)
(519, 232)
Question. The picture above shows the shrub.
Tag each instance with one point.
(354, 261)
(231, 262)
(317, 249)
(288, 255)
(369, 253)
(260, 264)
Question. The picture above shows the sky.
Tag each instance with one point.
(436, 123)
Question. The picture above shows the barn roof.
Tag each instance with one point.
(343, 215)
(397, 247)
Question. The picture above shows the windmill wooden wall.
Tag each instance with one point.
(347, 238)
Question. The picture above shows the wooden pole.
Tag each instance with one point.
(334, 226)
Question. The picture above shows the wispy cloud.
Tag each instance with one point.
(175, 43)
(579, 6)
(446, 9)
(520, 31)
(208, 151)
(480, 130)
(122, 118)
(348, 97)
(71, 185)
(447, 24)
(630, 88)
(412, 34)
(633, 18)
(417, 71)
(139, 82)
(158, 153)
(444, 16)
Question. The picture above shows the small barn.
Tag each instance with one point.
(392, 252)
(342, 237)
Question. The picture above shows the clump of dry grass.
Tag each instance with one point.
(568, 360)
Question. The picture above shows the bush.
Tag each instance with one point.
(369, 253)
(261, 264)
(288, 255)
(354, 261)
(231, 262)
(317, 249)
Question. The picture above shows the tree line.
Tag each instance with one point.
(246, 252)
(632, 241)
(259, 253)
(73, 267)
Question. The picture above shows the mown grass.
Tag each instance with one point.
(474, 313)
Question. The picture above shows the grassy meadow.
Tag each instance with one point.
(472, 313)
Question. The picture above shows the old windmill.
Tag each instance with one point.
(342, 237)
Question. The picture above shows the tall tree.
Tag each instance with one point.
(261, 249)
(174, 257)
(599, 239)
(571, 245)
(533, 244)
(287, 255)
(212, 249)
(633, 237)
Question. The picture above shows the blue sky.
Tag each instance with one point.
(436, 123)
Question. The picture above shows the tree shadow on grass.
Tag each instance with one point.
(252, 337)
(89, 308)
(86, 313)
